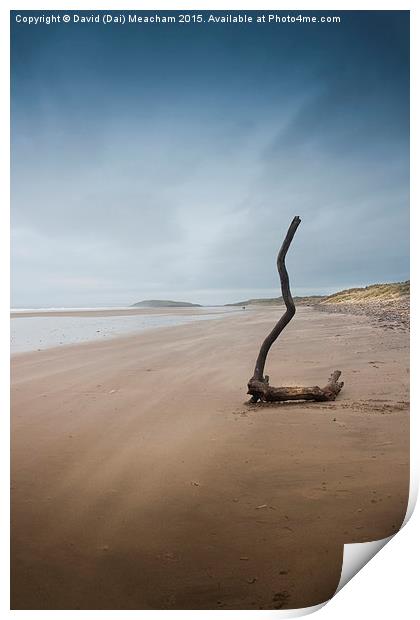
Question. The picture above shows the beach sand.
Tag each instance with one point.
(141, 480)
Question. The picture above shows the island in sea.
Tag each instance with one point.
(164, 303)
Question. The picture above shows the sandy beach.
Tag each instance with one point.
(142, 480)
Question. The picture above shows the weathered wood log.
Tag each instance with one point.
(261, 390)
(258, 385)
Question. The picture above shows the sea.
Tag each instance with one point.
(56, 327)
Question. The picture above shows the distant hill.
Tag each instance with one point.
(276, 301)
(164, 303)
(373, 292)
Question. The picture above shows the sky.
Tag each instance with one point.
(166, 161)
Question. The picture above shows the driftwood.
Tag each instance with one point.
(258, 385)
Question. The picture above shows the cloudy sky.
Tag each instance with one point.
(167, 161)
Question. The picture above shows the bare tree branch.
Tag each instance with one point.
(287, 298)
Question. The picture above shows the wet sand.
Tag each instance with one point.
(103, 312)
(141, 480)
(47, 329)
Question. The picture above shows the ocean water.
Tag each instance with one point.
(43, 332)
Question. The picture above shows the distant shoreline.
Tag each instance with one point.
(46, 330)
(388, 290)
(122, 311)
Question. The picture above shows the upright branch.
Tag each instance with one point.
(258, 385)
(287, 298)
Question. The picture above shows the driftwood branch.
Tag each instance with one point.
(287, 298)
(261, 390)
(258, 385)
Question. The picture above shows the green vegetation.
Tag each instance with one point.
(374, 292)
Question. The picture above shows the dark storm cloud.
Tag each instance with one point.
(169, 162)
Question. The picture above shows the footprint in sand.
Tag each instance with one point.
(280, 599)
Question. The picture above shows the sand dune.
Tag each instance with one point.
(140, 480)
